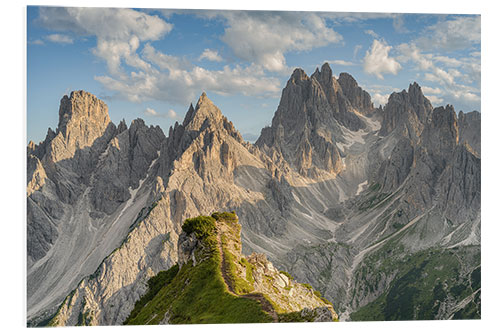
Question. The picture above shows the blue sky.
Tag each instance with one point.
(152, 63)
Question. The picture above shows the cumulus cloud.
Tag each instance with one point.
(154, 75)
(412, 52)
(211, 55)
(119, 31)
(263, 38)
(453, 34)
(452, 62)
(429, 90)
(380, 99)
(377, 60)
(172, 79)
(447, 72)
(58, 38)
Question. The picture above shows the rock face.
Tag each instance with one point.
(359, 99)
(341, 195)
(470, 130)
(87, 182)
(407, 112)
(305, 126)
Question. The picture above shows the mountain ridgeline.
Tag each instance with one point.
(376, 208)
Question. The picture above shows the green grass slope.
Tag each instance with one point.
(195, 293)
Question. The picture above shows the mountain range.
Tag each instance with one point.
(377, 208)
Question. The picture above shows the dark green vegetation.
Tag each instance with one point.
(155, 284)
(423, 283)
(238, 285)
(196, 294)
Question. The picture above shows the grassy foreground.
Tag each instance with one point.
(196, 294)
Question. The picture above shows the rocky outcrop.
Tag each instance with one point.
(124, 164)
(359, 99)
(469, 125)
(407, 112)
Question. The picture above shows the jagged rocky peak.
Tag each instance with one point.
(122, 126)
(205, 111)
(308, 122)
(298, 75)
(83, 112)
(340, 105)
(407, 112)
(206, 115)
(359, 98)
(325, 75)
(204, 137)
(420, 103)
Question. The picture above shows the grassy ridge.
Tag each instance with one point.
(196, 294)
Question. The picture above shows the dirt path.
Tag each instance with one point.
(266, 305)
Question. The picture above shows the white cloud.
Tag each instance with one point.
(211, 55)
(452, 62)
(58, 38)
(170, 114)
(377, 60)
(156, 75)
(447, 72)
(380, 99)
(357, 48)
(351, 17)
(106, 23)
(340, 62)
(263, 38)
(119, 31)
(150, 112)
(454, 34)
(371, 33)
(429, 90)
(172, 79)
(412, 52)
(398, 24)
(434, 99)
